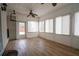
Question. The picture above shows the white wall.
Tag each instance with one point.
(70, 40)
(4, 30)
(11, 25)
(12, 30)
(1, 43)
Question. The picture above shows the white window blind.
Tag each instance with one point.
(63, 25)
(32, 26)
(58, 25)
(41, 26)
(66, 24)
(76, 28)
(49, 26)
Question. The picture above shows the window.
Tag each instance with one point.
(21, 28)
(58, 25)
(49, 26)
(41, 26)
(63, 24)
(32, 26)
(66, 24)
(76, 29)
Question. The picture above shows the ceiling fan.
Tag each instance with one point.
(32, 14)
(53, 4)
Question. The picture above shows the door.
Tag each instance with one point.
(20, 30)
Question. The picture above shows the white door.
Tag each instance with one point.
(20, 30)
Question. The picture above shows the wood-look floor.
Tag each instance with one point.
(40, 47)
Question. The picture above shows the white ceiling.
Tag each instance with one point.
(23, 8)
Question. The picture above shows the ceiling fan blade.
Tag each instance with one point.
(28, 15)
(35, 14)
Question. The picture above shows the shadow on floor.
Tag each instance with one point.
(10, 53)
